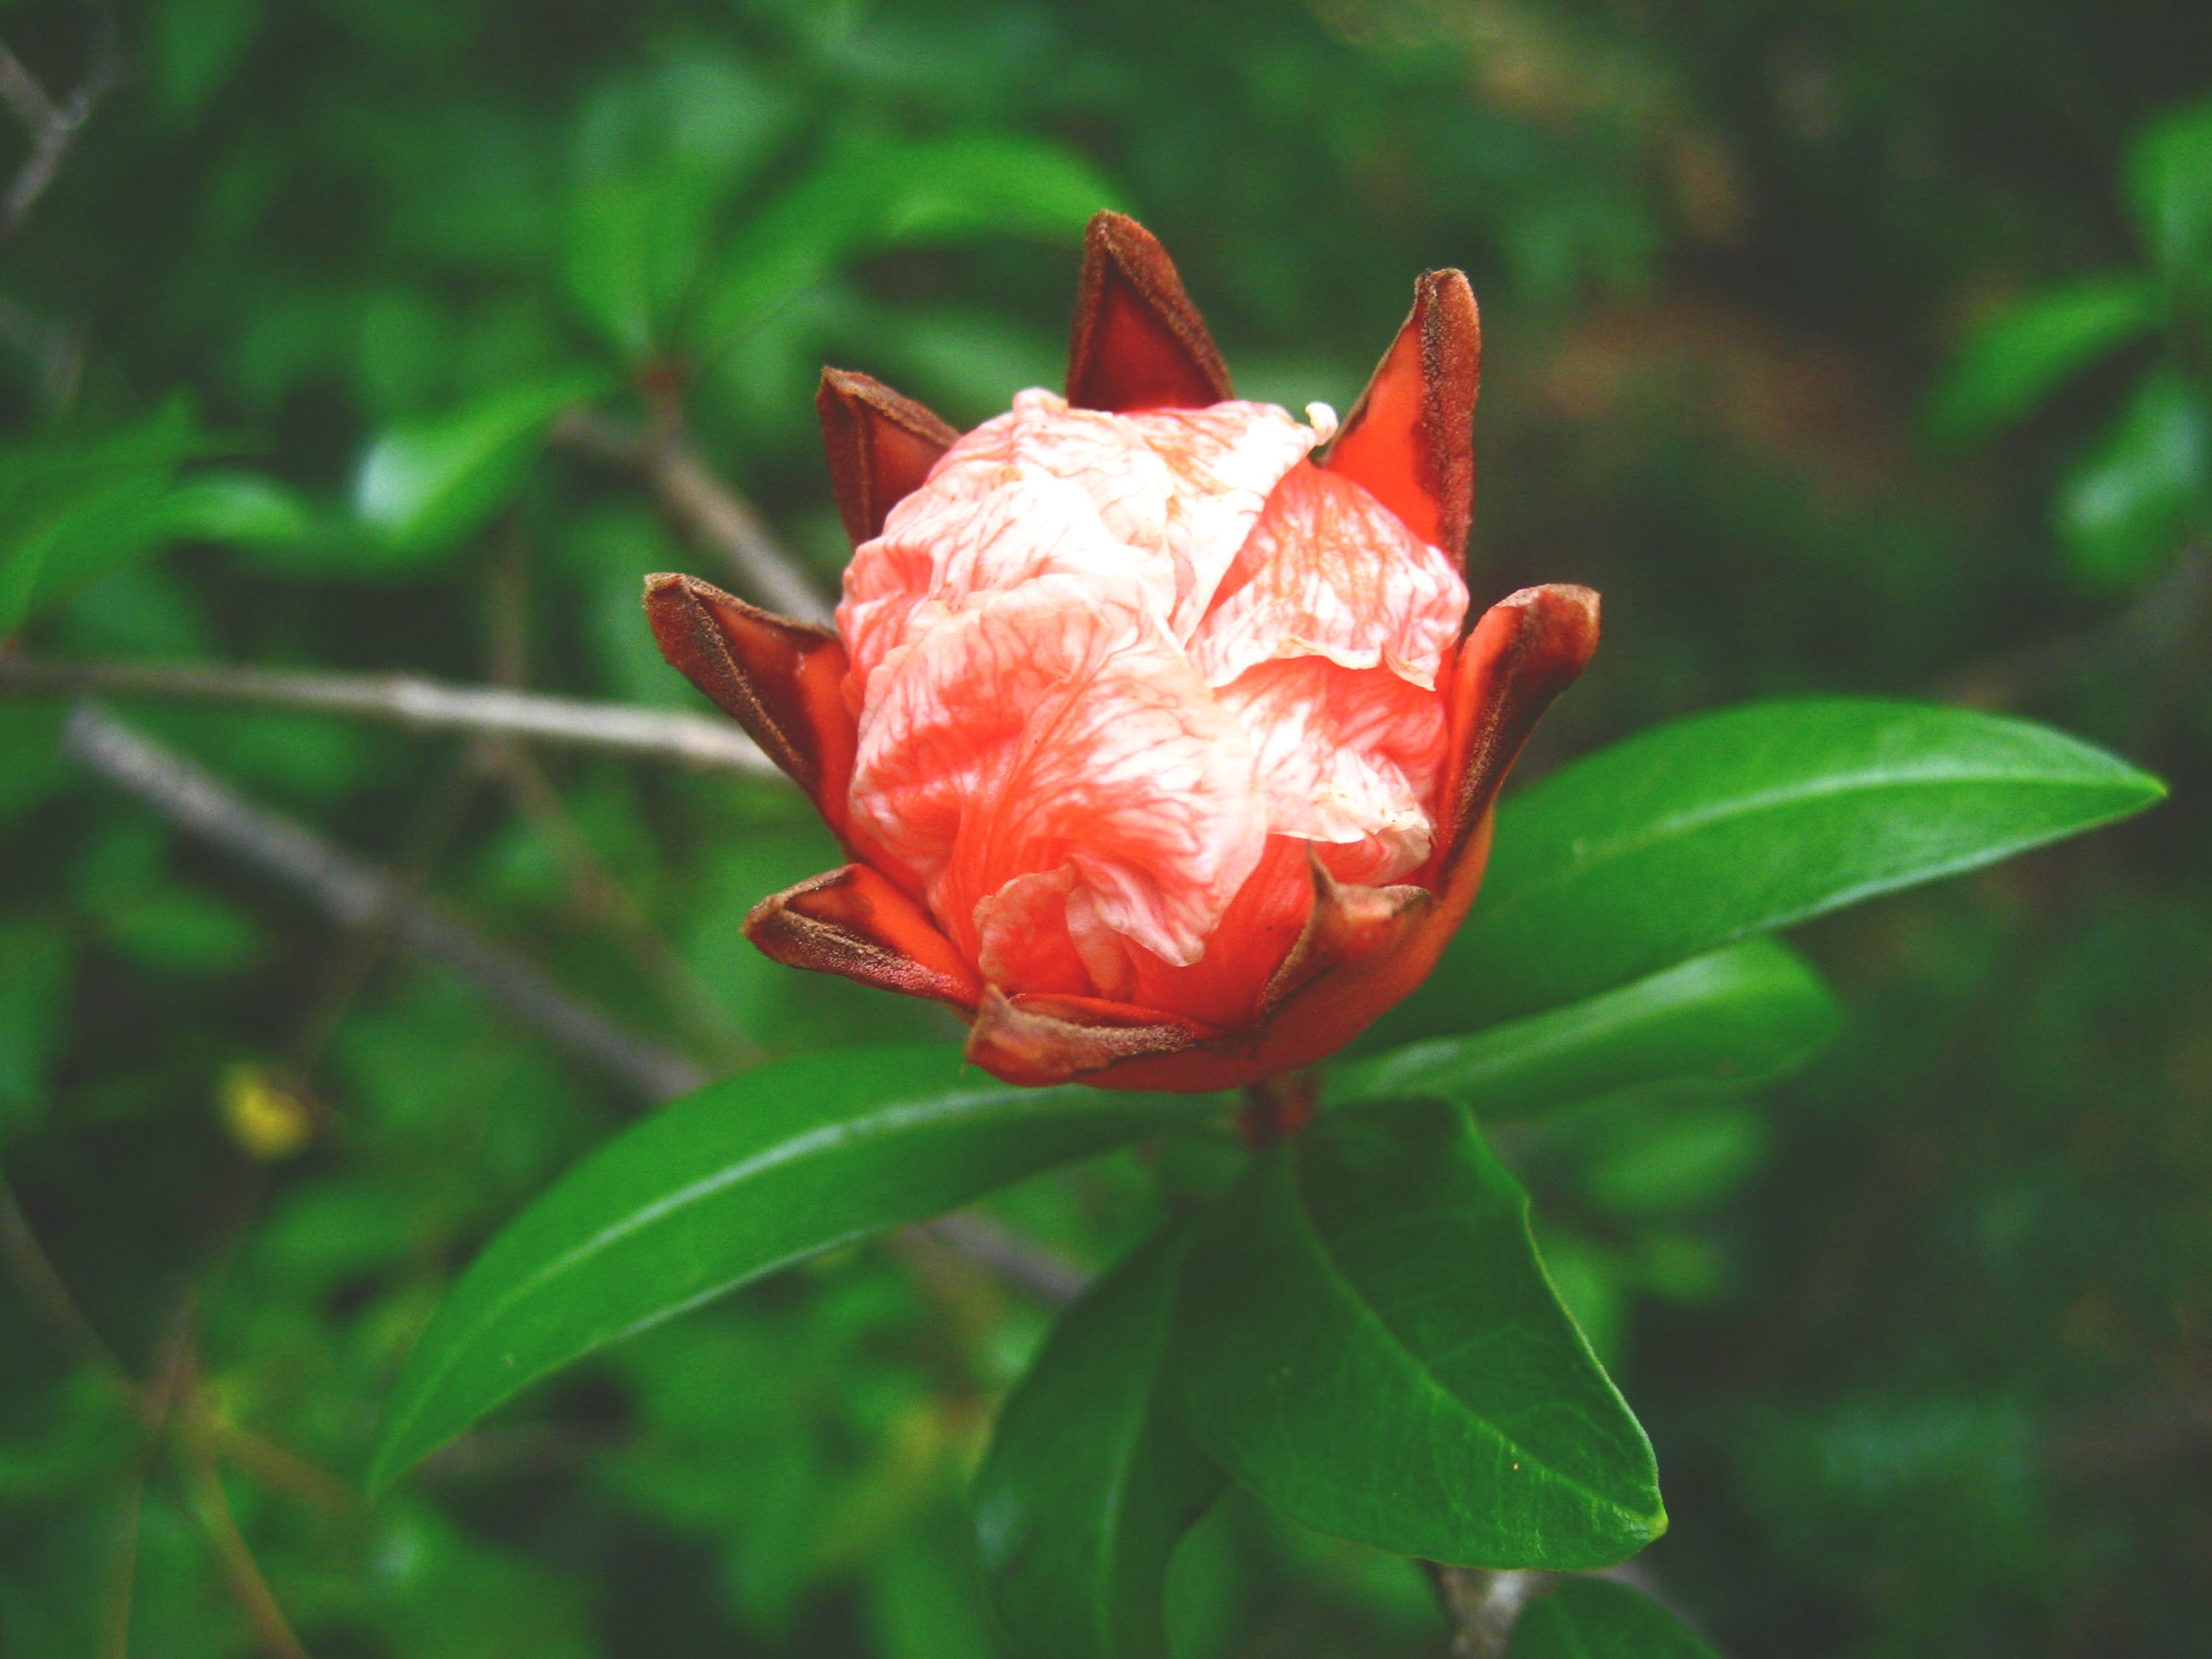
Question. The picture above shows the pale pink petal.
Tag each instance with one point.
(1050, 728)
(1161, 499)
(1348, 757)
(1329, 571)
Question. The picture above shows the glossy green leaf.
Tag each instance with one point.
(1594, 1619)
(1091, 1478)
(743, 1177)
(427, 485)
(1738, 1017)
(2123, 512)
(1707, 829)
(2022, 355)
(2169, 177)
(1366, 1338)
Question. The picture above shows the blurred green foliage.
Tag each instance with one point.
(1920, 1339)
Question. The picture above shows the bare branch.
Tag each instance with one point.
(196, 1458)
(353, 892)
(1022, 1262)
(411, 700)
(714, 513)
(54, 126)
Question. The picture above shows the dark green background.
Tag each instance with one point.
(1921, 1340)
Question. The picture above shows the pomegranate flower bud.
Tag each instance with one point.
(1151, 722)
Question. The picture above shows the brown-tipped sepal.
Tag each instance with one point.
(1347, 925)
(881, 447)
(783, 681)
(1038, 1039)
(1410, 438)
(1527, 649)
(857, 922)
(1138, 342)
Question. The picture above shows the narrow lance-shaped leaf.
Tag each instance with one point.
(1366, 1337)
(1738, 1017)
(2024, 354)
(1091, 1478)
(1707, 829)
(1591, 1618)
(745, 1176)
(2125, 509)
(427, 485)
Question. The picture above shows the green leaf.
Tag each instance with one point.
(1709, 829)
(1736, 1018)
(739, 1179)
(656, 158)
(427, 485)
(2169, 177)
(74, 509)
(2022, 355)
(1592, 1619)
(1091, 1480)
(1366, 1338)
(873, 192)
(244, 508)
(2125, 509)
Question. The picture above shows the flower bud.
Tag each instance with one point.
(1151, 722)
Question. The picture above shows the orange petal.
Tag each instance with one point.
(1044, 1039)
(1138, 342)
(881, 447)
(781, 680)
(1410, 438)
(1526, 650)
(855, 921)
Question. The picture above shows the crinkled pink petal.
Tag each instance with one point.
(1328, 571)
(1055, 727)
(1163, 499)
(1348, 757)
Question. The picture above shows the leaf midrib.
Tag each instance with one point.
(870, 1127)
(1696, 818)
(1398, 1344)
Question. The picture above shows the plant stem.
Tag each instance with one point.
(411, 700)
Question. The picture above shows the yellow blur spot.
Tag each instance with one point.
(268, 1121)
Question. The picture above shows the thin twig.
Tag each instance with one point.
(1482, 1605)
(196, 1459)
(351, 891)
(34, 1273)
(53, 127)
(409, 700)
(1022, 1262)
(2163, 620)
(592, 885)
(714, 514)
(153, 1404)
(601, 895)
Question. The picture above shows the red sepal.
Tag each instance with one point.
(1138, 342)
(783, 681)
(1526, 648)
(856, 922)
(881, 447)
(1410, 438)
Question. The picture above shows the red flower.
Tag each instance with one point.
(1155, 742)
